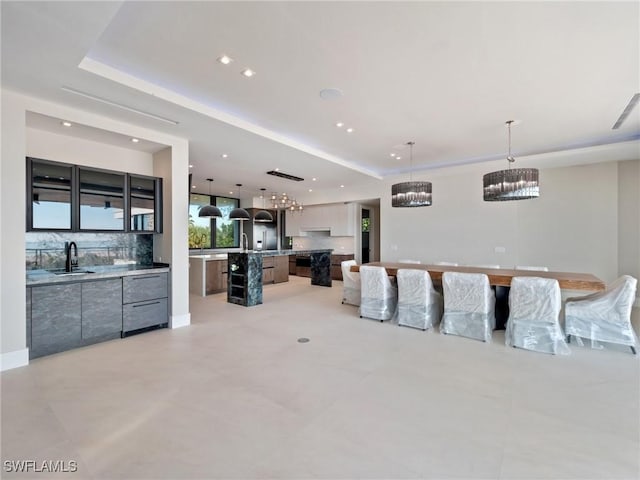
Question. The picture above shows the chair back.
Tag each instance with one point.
(350, 279)
(414, 286)
(534, 298)
(622, 292)
(375, 282)
(466, 292)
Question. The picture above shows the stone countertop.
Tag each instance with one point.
(99, 272)
(264, 253)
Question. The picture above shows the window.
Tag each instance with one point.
(227, 232)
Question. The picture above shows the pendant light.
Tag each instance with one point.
(513, 183)
(411, 194)
(239, 213)
(209, 211)
(263, 216)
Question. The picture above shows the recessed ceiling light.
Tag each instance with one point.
(193, 186)
(341, 186)
(135, 140)
(339, 124)
(65, 124)
(225, 59)
(230, 193)
(277, 169)
(224, 155)
(398, 157)
(313, 179)
(310, 190)
(392, 154)
(349, 130)
(247, 72)
(190, 166)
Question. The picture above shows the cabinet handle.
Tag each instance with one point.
(146, 276)
(145, 304)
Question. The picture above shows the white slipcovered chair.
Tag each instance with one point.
(534, 316)
(604, 316)
(419, 305)
(469, 305)
(529, 267)
(409, 261)
(379, 297)
(350, 283)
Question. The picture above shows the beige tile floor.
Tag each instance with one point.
(236, 396)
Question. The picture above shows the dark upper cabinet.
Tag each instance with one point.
(145, 200)
(101, 200)
(74, 199)
(49, 195)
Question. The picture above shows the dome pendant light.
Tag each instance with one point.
(511, 184)
(263, 216)
(239, 213)
(209, 211)
(411, 194)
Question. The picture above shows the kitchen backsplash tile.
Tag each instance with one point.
(47, 249)
(338, 244)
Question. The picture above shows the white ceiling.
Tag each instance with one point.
(446, 75)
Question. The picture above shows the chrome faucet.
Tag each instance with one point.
(71, 261)
(245, 241)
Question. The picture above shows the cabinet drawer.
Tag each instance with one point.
(138, 288)
(101, 308)
(267, 262)
(144, 314)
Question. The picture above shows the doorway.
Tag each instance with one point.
(365, 226)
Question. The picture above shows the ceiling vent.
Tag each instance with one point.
(277, 173)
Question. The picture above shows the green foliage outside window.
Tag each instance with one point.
(366, 223)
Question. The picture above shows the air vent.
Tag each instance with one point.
(627, 110)
(284, 175)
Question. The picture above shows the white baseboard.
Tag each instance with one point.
(179, 321)
(16, 359)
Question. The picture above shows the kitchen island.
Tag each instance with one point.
(244, 281)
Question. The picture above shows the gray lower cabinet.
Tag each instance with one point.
(101, 309)
(145, 299)
(55, 318)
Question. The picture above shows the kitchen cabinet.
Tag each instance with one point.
(336, 265)
(101, 308)
(64, 197)
(56, 315)
(216, 276)
(145, 301)
(145, 203)
(292, 264)
(101, 200)
(338, 218)
(49, 195)
(281, 269)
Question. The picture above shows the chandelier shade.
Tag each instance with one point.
(411, 193)
(285, 202)
(239, 213)
(511, 184)
(209, 211)
(263, 216)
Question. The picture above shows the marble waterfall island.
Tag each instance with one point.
(244, 281)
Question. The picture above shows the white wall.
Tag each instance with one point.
(78, 151)
(13, 208)
(629, 219)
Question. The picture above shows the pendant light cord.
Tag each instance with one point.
(411, 144)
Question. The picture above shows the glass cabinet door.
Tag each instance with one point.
(50, 196)
(101, 200)
(143, 197)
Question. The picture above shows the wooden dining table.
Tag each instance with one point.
(497, 276)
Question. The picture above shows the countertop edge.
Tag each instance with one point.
(48, 279)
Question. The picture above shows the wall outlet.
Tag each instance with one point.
(500, 250)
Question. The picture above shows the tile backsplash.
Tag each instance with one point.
(321, 240)
(46, 250)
